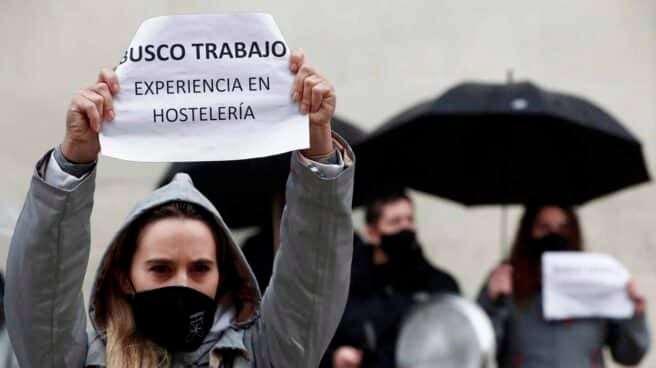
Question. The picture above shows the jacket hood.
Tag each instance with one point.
(245, 296)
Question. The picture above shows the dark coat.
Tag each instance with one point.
(259, 252)
(379, 298)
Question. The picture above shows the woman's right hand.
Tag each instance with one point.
(501, 282)
(88, 109)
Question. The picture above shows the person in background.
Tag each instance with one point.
(259, 250)
(512, 299)
(389, 275)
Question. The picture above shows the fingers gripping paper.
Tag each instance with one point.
(205, 88)
(583, 285)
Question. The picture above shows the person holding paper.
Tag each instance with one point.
(512, 298)
(173, 289)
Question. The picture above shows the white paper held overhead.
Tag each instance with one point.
(205, 88)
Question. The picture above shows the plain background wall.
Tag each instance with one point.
(382, 56)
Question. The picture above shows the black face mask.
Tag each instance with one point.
(177, 318)
(551, 242)
(401, 247)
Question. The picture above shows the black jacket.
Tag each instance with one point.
(379, 298)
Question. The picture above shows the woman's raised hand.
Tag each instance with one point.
(637, 297)
(316, 97)
(500, 283)
(88, 109)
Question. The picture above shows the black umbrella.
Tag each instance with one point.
(243, 190)
(507, 144)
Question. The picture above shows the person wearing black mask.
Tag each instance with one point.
(389, 275)
(173, 289)
(512, 299)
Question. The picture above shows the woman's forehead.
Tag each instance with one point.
(177, 237)
(552, 214)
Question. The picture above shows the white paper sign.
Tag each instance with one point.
(205, 87)
(580, 285)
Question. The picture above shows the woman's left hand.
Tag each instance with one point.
(637, 297)
(316, 97)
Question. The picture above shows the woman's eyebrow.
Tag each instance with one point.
(204, 261)
(159, 261)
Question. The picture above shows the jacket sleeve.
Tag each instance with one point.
(47, 262)
(628, 340)
(499, 313)
(7, 358)
(309, 286)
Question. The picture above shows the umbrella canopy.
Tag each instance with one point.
(508, 144)
(243, 190)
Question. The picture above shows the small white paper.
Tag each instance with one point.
(582, 285)
(205, 88)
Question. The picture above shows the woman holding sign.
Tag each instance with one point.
(512, 298)
(173, 289)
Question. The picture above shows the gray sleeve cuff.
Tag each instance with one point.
(77, 170)
(335, 158)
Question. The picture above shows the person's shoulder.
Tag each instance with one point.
(441, 280)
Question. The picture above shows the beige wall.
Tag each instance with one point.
(382, 56)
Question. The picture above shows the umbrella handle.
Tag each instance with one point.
(504, 247)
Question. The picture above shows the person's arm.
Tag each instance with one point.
(629, 339)
(308, 290)
(49, 250)
(495, 299)
(45, 269)
(437, 280)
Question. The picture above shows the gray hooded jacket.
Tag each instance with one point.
(7, 358)
(526, 340)
(290, 326)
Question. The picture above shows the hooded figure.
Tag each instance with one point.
(173, 289)
(289, 327)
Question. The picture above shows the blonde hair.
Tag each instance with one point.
(125, 347)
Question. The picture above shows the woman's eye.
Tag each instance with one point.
(201, 268)
(160, 269)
